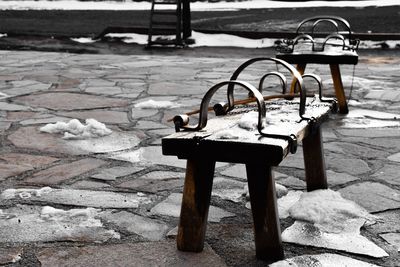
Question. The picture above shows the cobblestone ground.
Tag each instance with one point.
(115, 200)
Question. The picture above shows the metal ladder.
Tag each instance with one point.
(166, 22)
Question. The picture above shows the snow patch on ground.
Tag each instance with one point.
(153, 104)
(372, 114)
(74, 129)
(86, 217)
(202, 39)
(27, 223)
(328, 210)
(349, 239)
(86, 198)
(325, 219)
(225, 40)
(25, 193)
(84, 40)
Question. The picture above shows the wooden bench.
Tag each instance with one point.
(278, 126)
(306, 49)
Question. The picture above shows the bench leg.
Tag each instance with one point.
(339, 90)
(314, 162)
(300, 68)
(195, 204)
(267, 230)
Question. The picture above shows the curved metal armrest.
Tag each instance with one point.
(292, 70)
(274, 73)
(182, 121)
(334, 19)
(320, 88)
(323, 20)
(334, 36)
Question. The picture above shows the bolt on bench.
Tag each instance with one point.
(333, 48)
(278, 125)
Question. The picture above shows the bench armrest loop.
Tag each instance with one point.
(294, 72)
(324, 20)
(334, 36)
(182, 121)
(277, 74)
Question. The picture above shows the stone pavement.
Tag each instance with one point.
(115, 200)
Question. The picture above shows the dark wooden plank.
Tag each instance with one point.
(304, 54)
(248, 145)
(314, 161)
(195, 204)
(267, 231)
(339, 90)
(319, 58)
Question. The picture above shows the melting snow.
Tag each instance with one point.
(285, 202)
(25, 193)
(202, 39)
(74, 129)
(87, 198)
(325, 219)
(321, 260)
(218, 40)
(328, 210)
(349, 239)
(226, 134)
(48, 224)
(152, 104)
(85, 216)
(365, 113)
(249, 121)
(364, 118)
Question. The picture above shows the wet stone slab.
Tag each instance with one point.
(47, 224)
(237, 171)
(337, 178)
(149, 229)
(70, 101)
(372, 196)
(370, 133)
(104, 116)
(30, 137)
(393, 239)
(321, 260)
(389, 173)
(15, 163)
(13, 107)
(89, 185)
(129, 255)
(10, 255)
(292, 182)
(389, 222)
(172, 207)
(62, 173)
(153, 186)
(75, 197)
(229, 189)
(111, 174)
(348, 165)
(26, 87)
